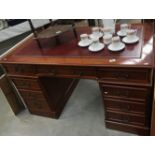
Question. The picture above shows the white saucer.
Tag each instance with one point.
(96, 36)
(84, 44)
(134, 40)
(120, 47)
(96, 49)
(121, 34)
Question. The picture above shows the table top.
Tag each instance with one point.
(69, 53)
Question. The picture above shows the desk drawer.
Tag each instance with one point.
(35, 100)
(126, 118)
(129, 93)
(125, 106)
(20, 69)
(77, 72)
(24, 83)
(125, 75)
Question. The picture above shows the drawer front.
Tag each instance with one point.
(67, 71)
(39, 70)
(125, 106)
(126, 118)
(125, 75)
(24, 83)
(129, 93)
(35, 100)
(20, 69)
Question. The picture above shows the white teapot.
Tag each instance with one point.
(109, 23)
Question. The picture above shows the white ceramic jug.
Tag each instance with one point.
(109, 23)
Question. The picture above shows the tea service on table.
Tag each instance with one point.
(123, 30)
(96, 33)
(104, 37)
(96, 45)
(85, 40)
(116, 44)
(131, 37)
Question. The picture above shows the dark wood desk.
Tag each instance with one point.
(46, 76)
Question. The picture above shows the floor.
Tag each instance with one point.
(82, 116)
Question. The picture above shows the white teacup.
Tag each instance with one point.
(107, 39)
(95, 42)
(131, 34)
(116, 41)
(95, 31)
(124, 28)
(84, 38)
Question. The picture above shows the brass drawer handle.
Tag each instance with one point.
(106, 93)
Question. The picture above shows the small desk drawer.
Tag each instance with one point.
(20, 69)
(129, 93)
(126, 118)
(63, 71)
(24, 83)
(77, 72)
(57, 71)
(125, 106)
(35, 100)
(125, 75)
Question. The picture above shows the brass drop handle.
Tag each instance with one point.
(106, 93)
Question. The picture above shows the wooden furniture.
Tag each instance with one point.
(46, 77)
(11, 95)
(153, 107)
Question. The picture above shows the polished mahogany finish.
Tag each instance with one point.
(68, 53)
(46, 75)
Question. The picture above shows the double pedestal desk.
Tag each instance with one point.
(45, 75)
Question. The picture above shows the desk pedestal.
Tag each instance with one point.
(127, 92)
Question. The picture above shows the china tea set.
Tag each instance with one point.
(113, 43)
